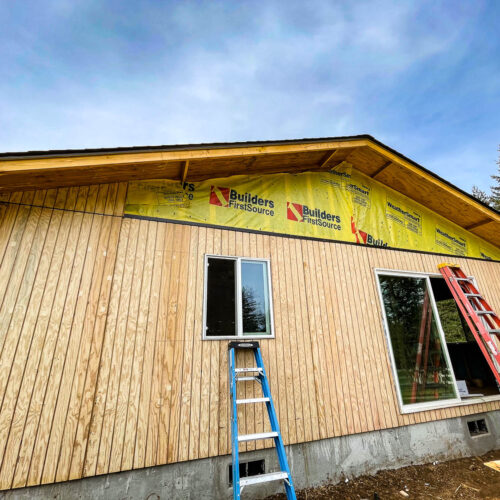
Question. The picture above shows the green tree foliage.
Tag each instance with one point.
(480, 195)
(495, 190)
(254, 319)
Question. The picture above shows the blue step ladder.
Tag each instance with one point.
(258, 374)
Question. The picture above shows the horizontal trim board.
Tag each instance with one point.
(282, 235)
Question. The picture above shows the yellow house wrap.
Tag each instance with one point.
(341, 204)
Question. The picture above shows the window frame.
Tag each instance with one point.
(238, 302)
(428, 405)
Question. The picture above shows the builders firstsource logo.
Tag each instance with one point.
(248, 202)
(365, 238)
(302, 213)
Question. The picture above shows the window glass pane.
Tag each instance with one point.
(422, 370)
(221, 285)
(255, 298)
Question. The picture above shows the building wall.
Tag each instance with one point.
(102, 366)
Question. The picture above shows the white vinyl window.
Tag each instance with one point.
(436, 361)
(237, 298)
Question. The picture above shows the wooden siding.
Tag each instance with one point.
(102, 366)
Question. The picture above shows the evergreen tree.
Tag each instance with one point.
(495, 190)
(480, 195)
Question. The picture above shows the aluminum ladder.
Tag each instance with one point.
(258, 374)
(482, 320)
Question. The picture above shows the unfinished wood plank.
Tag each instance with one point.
(92, 449)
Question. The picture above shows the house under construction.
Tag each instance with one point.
(125, 272)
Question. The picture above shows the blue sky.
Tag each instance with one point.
(422, 77)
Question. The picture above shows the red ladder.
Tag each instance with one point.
(482, 320)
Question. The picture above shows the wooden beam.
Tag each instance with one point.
(478, 224)
(184, 172)
(328, 158)
(381, 169)
(47, 163)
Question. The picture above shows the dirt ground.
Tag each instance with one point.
(464, 478)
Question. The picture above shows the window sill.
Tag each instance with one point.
(241, 338)
(450, 404)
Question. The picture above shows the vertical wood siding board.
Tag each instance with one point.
(28, 378)
(94, 362)
(96, 421)
(169, 315)
(15, 304)
(161, 421)
(324, 292)
(102, 197)
(319, 335)
(154, 253)
(194, 424)
(358, 293)
(81, 198)
(329, 339)
(15, 332)
(65, 373)
(132, 423)
(214, 374)
(190, 332)
(27, 197)
(205, 376)
(276, 380)
(362, 313)
(298, 375)
(47, 326)
(24, 326)
(180, 340)
(123, 399)
(286, 393)
(61, 439)
(92, 198)
(16, 197)
(8, 224)
(13, 267)
(376, 352)
(38, 200)
(154, 391)
(90, 329)
(226, 249)
(3, 210)
(329, 380)
(121, 199)
(60, 311)
(335, 327)
(345, 344)
(68, 347)
(291, 361)
(355, 343)
(112, 393)
(111, 199)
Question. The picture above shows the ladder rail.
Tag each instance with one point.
(470, 315)
(234, 426)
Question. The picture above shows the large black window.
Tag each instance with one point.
(237, 297)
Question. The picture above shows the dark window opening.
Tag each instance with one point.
(477, 427)
(471, 370)
(221, 306)
(247, 469)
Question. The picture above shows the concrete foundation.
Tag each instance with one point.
(311, 463)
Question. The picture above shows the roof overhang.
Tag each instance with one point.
(51, 169)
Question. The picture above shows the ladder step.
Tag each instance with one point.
(464, 279)
(263, 478)
(252, 400)
(242, 379)
(254, 437)
(472, 294)
(494, 330)
(485, 312)
(248, 370)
